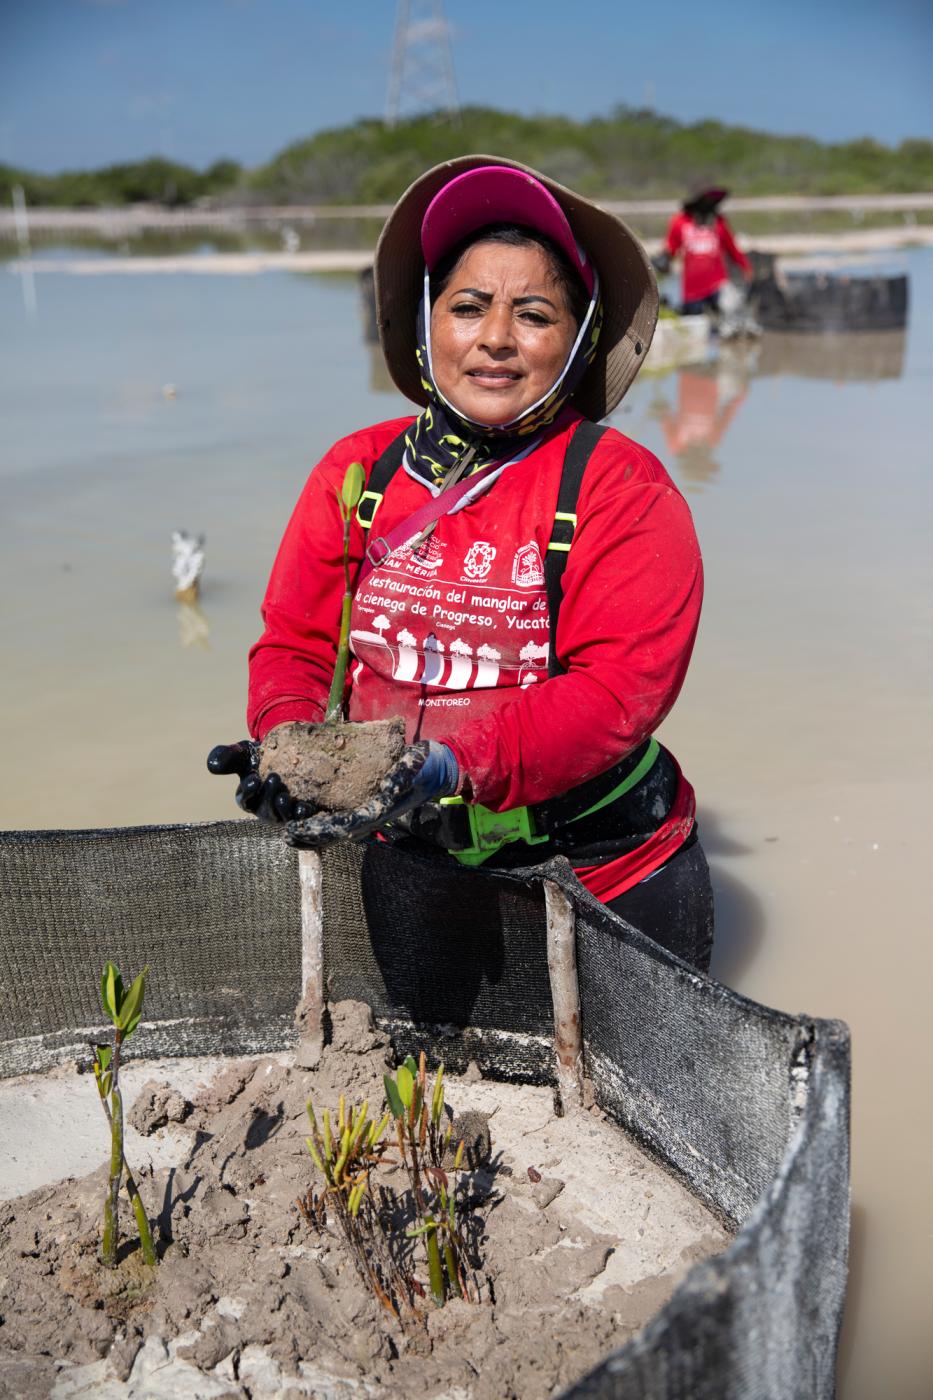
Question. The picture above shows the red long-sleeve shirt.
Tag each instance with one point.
(703, 247)
(455, 636)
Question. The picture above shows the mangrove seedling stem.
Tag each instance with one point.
(112, 1201)
(348, 498)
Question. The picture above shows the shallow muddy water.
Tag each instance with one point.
(135, 405)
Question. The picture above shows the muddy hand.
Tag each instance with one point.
(424, 771)
(269, 799)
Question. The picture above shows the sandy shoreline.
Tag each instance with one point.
(148, 216)
(854, 242)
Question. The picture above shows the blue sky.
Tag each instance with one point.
(88, 82)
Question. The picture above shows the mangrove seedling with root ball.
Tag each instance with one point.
(378, 1222)
(346, 1151)
(124, 1008)
(423, 1138)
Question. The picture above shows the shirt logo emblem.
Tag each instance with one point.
(527, 568)
(478, 560)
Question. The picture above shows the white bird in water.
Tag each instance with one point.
(187, 565)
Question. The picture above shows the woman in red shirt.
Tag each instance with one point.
(700, 233)
(534, 634)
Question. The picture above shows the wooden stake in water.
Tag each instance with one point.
(565, 995)
(311, 1007)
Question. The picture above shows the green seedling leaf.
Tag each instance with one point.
(342, 1159)
(316, 1156)
(344, 514)
(435, 1269)
(111, 990)
(437, 1098)
(410, 1065)
(459, 1155)
(451, 1262)
(360, 1125)
(377, 1129)
(311, 1118)
(103, 1054)
(132, 1007)
(393, 1098)
(353, 482)
(406, 1085)
(328, 1141)
(131, 1026)
(341, 1113)
(417, 1230)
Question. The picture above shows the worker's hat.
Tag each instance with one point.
(707, 195)
(453, 200)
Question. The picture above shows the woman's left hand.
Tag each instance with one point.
(425, 771)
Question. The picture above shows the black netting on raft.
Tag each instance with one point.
(748, 1105)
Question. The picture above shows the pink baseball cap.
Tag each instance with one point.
(493, 194)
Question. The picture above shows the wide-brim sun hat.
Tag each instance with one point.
(500, 190)
(705, 194)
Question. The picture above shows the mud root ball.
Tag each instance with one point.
(337, 766)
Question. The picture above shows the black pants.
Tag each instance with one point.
(697, 308)
(674, 907)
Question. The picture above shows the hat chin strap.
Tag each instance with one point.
(514, 425)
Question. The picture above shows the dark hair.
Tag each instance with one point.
(518, 236)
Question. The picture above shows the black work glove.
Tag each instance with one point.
(425, 770)
(269, 799)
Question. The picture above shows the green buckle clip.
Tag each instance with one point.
(490, 831)
(367, 519)
(571, 519)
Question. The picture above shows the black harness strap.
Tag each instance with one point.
(580, 450)
(384, 468)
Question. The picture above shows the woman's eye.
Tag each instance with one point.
(535, 318)
(467, 308)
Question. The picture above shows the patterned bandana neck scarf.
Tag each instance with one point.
(441, 437)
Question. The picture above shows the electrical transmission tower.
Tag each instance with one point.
(422, 77)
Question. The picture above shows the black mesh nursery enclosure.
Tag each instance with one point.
(746, 1105)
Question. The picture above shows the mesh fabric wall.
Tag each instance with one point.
(748, 1105)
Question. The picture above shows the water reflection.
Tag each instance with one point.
(707, 399)
(707, 396)
(194, 629)
(856, 357)
(380, 381)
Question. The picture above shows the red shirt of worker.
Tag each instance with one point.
(701, 235)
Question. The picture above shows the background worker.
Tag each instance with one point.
(704, 240)
(514, 313)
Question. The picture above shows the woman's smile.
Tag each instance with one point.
(501, 332)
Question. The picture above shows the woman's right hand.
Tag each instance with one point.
(268, 799)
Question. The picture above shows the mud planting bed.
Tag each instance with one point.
(582, 1239)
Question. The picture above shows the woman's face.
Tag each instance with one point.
(501, 331)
